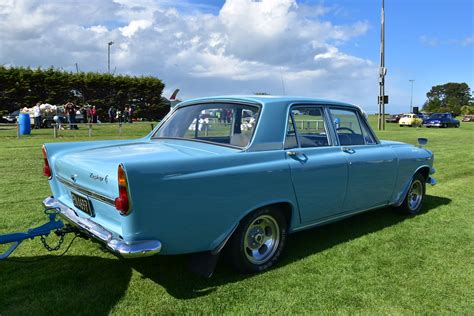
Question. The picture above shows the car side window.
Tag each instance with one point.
(369, 139)
(348, 127)
(310, 126)
(290, 138)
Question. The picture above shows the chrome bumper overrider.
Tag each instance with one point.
(128, 250)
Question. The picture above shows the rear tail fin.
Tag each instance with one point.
(173, 96)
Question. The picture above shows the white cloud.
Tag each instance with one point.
(247, 46)
(134, 27)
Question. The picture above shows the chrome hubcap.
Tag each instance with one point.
(261, 239)
(415, 195)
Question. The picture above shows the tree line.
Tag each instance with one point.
(24, 87)
(450, 97)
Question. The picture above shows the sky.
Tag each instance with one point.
(325, 49)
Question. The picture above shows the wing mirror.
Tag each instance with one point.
(422, 141)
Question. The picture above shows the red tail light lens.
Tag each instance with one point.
(46, 168)
(122, 202)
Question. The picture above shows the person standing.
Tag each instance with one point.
(130, 114)
(125, 114)
(111, 112)
(118, 115)
(88, 112)
(94, 114)
(71, 112)
(37, 115)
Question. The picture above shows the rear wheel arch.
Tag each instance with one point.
(243, 242)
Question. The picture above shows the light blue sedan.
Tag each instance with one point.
(239, 173)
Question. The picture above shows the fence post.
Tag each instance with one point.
(55, 130)
(152, 126)
(120, 128)
(206, 130)
(18, 129)
(90, 129)
(302, 124)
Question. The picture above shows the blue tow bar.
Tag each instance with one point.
(16, 238)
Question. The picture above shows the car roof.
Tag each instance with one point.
(265, 100)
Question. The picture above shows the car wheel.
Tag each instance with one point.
(401, 125)
(258, 241)
(457, 125)
(414, 199)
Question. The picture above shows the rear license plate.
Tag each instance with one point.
(82, 203)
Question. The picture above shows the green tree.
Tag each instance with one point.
(449, 97)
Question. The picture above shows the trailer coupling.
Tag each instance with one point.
(55, 225)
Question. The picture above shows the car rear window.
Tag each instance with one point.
(230, 124)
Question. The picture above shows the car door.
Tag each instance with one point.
(372, 166)
(318, 169)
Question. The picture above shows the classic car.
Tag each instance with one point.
(441, 120)
(410, 119)
(468, 118)
(197, 185)
(393, 118)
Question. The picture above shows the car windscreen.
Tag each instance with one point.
(228, 124)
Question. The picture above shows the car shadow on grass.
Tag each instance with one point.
(81, 285)
(94, 285)
(172, 271)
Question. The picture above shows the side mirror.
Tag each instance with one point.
(422, 141)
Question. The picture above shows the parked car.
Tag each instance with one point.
(12, 117)
(468, 118)
(441, 120)
(184, 189)
(422, 116)
(410, 119)
(393, 118)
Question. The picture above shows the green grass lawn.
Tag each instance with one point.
(375, 263)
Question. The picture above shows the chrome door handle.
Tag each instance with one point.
(301, 157)
(348, 150)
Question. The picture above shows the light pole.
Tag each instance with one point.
(411, 96)
(108, 56)
(382, 73)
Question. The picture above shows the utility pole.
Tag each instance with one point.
(411, 96)
(382, 73)
(108, 56)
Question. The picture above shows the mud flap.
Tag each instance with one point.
(203, 263)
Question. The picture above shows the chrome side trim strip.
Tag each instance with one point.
(113, 242)
(335, 218)
(85, 191)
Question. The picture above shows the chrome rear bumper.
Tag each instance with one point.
(114, 243)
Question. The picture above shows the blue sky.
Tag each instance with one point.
(326, 49)
(424, 40)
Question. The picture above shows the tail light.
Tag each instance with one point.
(122, 203)
(46, 168)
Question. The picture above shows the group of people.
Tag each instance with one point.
(120, 116)
(89, 113)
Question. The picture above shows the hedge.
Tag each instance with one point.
(20, 87)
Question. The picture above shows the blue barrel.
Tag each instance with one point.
(25, 125)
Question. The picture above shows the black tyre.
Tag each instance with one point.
(258, 241)
(414, 199)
